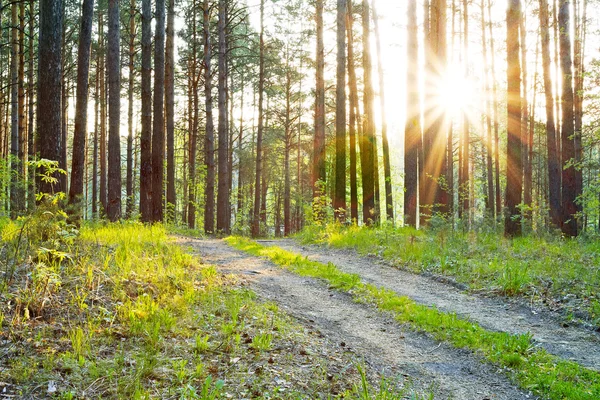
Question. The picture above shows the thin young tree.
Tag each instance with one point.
(15, 176)
(130, 90)
(319, 168)
(353, 115)
(514, 175)
(81, 111)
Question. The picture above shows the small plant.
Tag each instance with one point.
(79, 342)
(262, 342)
(201, 343)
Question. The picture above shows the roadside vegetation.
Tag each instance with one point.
(119, 311)
(531, 367)
(562, 273)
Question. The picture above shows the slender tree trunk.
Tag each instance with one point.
(367, 154)
(465, 181)
(259, 138)
(412, 130)
(22, 117)
(514, 178)
(527, 170)
(287, 228)
(132, 36)
(579, 79)
(95, 151)
(191, 203)
(113, 211)
(31, 93)
(353, 115)
(490, 200)
(319, 171)
(387, 168)
(146, 134)
(102, 72)
(209, 143)
(15, 162)
(223, 215)
(81, 109)
(569, 175)
(339, 203)
(496, 118)
(170, 111)
(49, 103)
(158, 122)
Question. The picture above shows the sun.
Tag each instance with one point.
(457, 93)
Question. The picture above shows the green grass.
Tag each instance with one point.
(543, 267)
(120, 311)
(533, 368)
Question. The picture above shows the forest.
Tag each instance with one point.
(264, 199)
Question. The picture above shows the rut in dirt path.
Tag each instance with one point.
(571, 343)
(383, 344)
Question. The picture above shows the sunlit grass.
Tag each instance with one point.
(536, 370)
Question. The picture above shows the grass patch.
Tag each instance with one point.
(533, 368)
(564, 273)
(120, 311)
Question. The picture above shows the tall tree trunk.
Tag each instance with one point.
(259, 138)
(96, 149)
(339, 203)
(527, 167)
(209, 143)
(81, 109)
(514, 178)
(368, 154)
(353, 115)
(465, 183)
(387, 168)
(170, 111)
(146, 134)
(496, 118)
(158, 122)
(114, 110)
(31, 150)
(191, 195)
(15, 162)
(102, 72)
(319, 171)
(579, 78)
(412, 130)
(287, 228)
(49, 104)
(132, 35)
(223, 212)
(490, 200)
(569, 175)
(22, 117)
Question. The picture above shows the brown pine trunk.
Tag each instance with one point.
(527, 170)
(353, 115)
(569, 175)
(170, 111)
(490, 200)
(80, 135)
(31, 150)
(209, 142)
(129, 184)
(146, 122)
(319, 172)
(259, 138)
(49, 103)
(412, 130)
(465, 183)
(223, 212)
(158, 122)
(102, 72)
(339, 203)
(15, 162)
(113, 63)
(514, 178)
(496, 118)
(194, 77)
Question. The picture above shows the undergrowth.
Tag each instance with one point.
(120, 311)
(533, 368)
(563, 273)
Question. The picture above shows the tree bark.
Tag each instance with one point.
(223, 211)
(209, 143)
(158, 122)
(49, 104)
(81, 107)
(319, 171)
(412, 129)
(15, 162)
(129, 183)
(170, 111)
(146, 133)
(514, 177)
(353, 115)
(339, 203)
(114, 110)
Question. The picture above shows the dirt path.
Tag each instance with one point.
(573, 343)
(381, 342)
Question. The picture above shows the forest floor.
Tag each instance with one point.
(390, 348)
